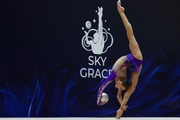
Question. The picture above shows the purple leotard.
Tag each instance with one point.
(131, 62)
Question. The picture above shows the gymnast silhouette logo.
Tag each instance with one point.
(97, 40)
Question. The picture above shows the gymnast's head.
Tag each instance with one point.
(122, 83)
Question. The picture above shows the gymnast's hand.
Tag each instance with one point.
(124, 107)
(119, 7)
(120, 111)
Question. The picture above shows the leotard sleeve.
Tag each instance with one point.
(108, 80)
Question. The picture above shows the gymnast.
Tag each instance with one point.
(132, 61)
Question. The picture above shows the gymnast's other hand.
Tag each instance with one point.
(124, 108)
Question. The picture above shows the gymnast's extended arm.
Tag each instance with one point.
(108, 80)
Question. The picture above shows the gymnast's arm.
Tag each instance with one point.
(108, 80)
(129, 91)
(119, 96)
(126, 97)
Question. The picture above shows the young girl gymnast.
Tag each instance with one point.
(132, 61)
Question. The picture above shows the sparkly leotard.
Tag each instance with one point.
(131, 63)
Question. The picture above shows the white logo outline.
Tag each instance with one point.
(94, 40)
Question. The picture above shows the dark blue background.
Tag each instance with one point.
(41, 55)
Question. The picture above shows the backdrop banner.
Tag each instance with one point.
(52, 60)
